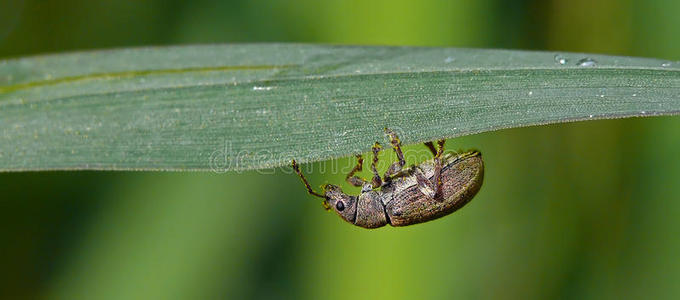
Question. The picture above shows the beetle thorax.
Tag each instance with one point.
(370, 210)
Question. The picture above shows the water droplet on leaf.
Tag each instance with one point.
(561, 59)
(586, 62)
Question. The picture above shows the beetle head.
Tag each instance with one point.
(344, 205)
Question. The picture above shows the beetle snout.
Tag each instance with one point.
(344, 205)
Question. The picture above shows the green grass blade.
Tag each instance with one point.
(238, 107)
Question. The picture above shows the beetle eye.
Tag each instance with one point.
(340, 206)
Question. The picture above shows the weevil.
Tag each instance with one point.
(421, 193)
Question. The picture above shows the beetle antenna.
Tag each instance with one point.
(304, 180)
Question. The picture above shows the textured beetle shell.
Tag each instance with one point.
(370, 210)
(461, 176)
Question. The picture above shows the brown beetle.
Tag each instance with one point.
(421, 193)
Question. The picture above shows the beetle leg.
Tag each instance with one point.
(438, 170)
(424, 184)
(356, 180)
(396, 145)
(376, 182)
(309, 188)
(430, 146)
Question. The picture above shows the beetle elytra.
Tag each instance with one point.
(420, 193)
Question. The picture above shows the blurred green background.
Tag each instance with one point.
(577, 211)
